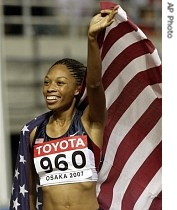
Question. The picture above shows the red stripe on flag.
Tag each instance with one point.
(107, 5)
(137, 185)
(124, 58)
(114, 35)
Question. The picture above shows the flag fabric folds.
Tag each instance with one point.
(130, 177)
(20, 189)
(130, 174)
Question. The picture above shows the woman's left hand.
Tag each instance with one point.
(102, 20)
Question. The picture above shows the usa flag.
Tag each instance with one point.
(130, 174)
(130, 177)
(20, 189)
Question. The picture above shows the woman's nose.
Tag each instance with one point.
(51, 88)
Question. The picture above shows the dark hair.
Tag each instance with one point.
(77, 69)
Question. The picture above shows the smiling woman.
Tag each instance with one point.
(65, 147)
(64, 78)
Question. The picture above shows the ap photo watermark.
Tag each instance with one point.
(170, 20)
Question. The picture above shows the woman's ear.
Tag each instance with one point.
(77, 91)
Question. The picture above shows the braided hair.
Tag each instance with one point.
(77, 69)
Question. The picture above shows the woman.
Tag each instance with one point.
(66, 160)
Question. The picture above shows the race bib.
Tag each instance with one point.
(65, 160)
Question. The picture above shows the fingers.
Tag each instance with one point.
(109, 15)
(112, 12)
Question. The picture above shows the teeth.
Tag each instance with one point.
(51, 97)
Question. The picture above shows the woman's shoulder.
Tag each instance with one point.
(32, 125)
(37, 120)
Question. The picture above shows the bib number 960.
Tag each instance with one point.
(62, 165)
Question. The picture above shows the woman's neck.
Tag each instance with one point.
(62, 118)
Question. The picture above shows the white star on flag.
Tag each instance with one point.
(38, 204)
(22, 190)
(22, 160)
(12, 189)
(16, 173)
(25, 128)
(16, 204)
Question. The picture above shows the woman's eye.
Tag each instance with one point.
(46, 82)
(60, 83)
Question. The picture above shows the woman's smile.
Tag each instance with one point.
(52, 99)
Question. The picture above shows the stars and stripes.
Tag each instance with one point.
(130, 176)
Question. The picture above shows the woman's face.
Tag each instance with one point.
(59, 88)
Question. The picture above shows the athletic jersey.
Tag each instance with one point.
(70, 158)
